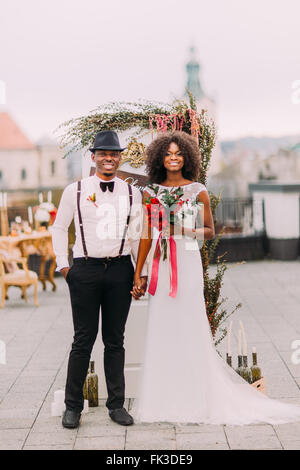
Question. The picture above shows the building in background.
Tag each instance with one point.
(252, 159)
(27, 168)
(19, 159)
(283, 165)
(52, 167)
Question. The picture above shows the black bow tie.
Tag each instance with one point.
(109, 185)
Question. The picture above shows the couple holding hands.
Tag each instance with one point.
(183, 379)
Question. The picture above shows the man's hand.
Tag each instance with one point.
(144, 280)
(65, 271)
(139, 287)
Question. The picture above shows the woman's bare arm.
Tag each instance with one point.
(144, 248)
(207, 232)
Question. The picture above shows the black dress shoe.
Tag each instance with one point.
(121, 416)
(71, 419)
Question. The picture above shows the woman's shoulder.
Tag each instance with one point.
(195, 187)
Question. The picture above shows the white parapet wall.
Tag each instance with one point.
(279, 214)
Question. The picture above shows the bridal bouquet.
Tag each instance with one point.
(168, 209)
(165, 208)
(187, 211)
(162, 212)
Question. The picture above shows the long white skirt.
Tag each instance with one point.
(183, 378)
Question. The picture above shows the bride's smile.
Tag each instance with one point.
(174, 159)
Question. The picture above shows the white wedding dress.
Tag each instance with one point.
(183, 378)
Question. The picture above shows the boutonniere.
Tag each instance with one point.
(92, 198)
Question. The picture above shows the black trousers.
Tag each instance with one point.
(94, 284)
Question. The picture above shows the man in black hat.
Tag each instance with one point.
(107, 214)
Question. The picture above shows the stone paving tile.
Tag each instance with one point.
(283, 344)
(57, 437)
(270, 294)
(291, 445)
(96, 429)
(99, 430)
(39, 372)
(288, 432)
(199, 428)
(202, 436)
(22, 400)
(152, 426)
(100, 443)
(151, 439)
(12, 438)
(202, 441)
(26, 384)
(285, 387)
(293, 368)
(20, 418)
(257, 437)
(50, 424)
(49, 447)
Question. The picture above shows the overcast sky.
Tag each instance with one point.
(62, 58)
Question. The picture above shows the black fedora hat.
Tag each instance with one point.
(107, 140)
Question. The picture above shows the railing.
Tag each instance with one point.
(237, 216)
(243, 216)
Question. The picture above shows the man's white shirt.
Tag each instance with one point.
(103, 226)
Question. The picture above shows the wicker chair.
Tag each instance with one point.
(22, 278)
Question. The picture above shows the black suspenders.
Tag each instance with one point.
(80, 220)
(81, 225)
(127, 221)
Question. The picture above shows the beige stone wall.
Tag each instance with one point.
(12, 162)
(52, 167)
(37, 165)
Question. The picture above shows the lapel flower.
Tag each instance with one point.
(92, 198)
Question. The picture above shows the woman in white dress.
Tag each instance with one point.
(183, 378)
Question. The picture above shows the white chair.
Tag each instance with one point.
(22, 278)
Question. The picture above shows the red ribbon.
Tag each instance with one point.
(173, 268)
(155, 266)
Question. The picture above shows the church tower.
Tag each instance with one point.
(193, 84)
(193, 81)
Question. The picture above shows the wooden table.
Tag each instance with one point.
(34, 243)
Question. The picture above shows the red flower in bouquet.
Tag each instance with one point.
(156, 214)
(160, 213)
(154, 200)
